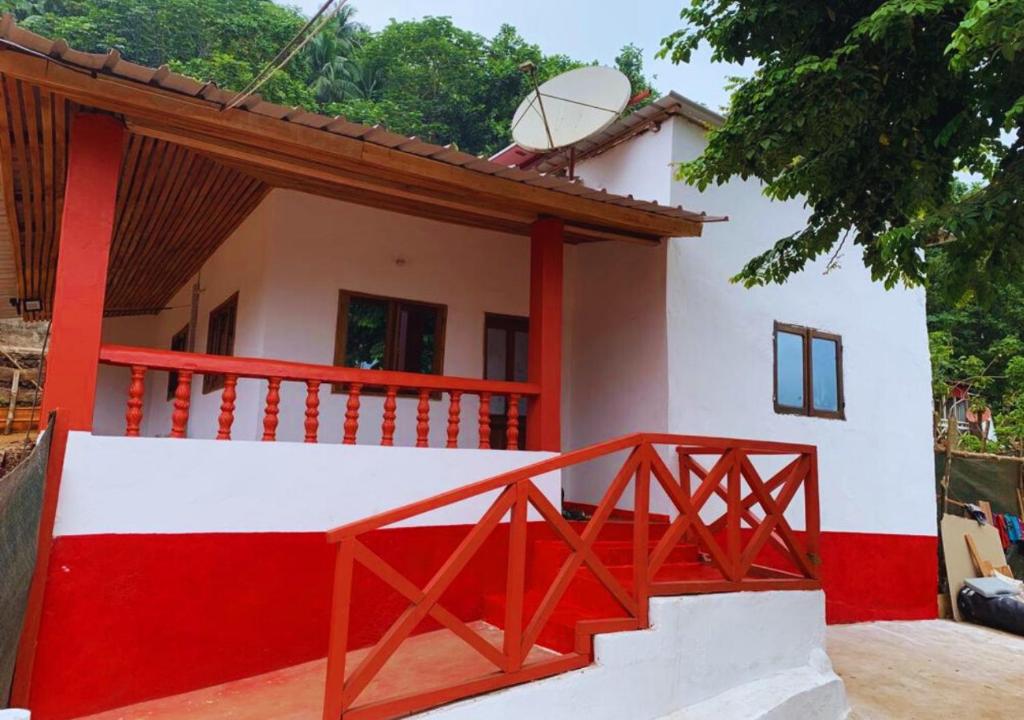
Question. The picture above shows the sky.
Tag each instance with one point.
(583, 29)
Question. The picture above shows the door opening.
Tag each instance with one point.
(505, 358)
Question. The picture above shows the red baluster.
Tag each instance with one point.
(423, 419)
(512, 431)
(227, 408)
(387, 429)
(272, 409)
(485, 421)
(454, 410)
(136, 389)
(352, 414)
(182, 399)
(312, 410)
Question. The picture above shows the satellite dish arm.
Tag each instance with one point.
(530, 69)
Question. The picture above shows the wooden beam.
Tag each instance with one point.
(312, 176)
(15, 384)
(189, 116)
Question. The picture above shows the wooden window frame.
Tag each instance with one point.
(391, 337)
(172, 376)
(214, 382)
(808, 335)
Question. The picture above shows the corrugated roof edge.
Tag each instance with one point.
(111, 63)
(673, 104)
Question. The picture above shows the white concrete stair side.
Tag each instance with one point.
(701, 654)
(814, 691)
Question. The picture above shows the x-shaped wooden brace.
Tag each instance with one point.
(425, 602)
(689, 513)
(793, 472)
(582, 547)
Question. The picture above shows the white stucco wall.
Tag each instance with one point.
(876, 467)
(700, 648)
(122, 485)
(615, 372)
(288, 261)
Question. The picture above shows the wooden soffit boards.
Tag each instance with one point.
(174, 209)
(457, 182)
(174, 206)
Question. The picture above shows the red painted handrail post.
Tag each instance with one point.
(734, 511)
(812, 514)
(485, 421)
(544, 429)
(95, 150)
(515, 586)
(182, 401)
(512, 423)
(352, 414)
(227, 408)
(312, 410)
(690, 535)
(337, 645)
(454, 411)
(272, 409)
(136, 390)
(387, 428)
(641, 535)
(423, 420)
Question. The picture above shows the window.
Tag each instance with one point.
(380, 333)
(808, 372)
(220, 338)
(179, 343)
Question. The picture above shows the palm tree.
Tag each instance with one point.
(330, 53)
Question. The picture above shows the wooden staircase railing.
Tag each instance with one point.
(731, 552)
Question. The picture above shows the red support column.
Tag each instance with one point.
(544, 425)
(86, 229)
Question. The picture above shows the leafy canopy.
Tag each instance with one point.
(869, 110)
(427, 77)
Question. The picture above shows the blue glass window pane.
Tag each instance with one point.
(825, 375)
(789, 381)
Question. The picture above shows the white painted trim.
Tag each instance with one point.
(160, 485)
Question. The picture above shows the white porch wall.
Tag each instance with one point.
(616, 369)
(288, 261)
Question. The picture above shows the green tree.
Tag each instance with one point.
(334, 72)
(224, 41)
(446, 84)
(868, 110)
(630, 61)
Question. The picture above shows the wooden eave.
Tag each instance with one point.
(180, 142)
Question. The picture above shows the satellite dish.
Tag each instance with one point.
(570, 107)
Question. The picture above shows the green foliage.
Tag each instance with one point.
(427, 78)
(867, 110)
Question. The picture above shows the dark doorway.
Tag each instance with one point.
(505, 358)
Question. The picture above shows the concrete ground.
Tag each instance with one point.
(928, 669)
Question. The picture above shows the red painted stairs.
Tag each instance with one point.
(586, 598)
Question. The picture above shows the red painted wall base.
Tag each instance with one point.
(133, 617)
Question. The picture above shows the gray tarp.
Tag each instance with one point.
(21, 500)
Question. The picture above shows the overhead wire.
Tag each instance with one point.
(308, 31)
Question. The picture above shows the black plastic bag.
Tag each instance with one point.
(1005, 612)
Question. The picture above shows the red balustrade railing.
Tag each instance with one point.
(355, 384)
(731, 544)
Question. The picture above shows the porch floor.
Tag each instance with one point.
(422, 663)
